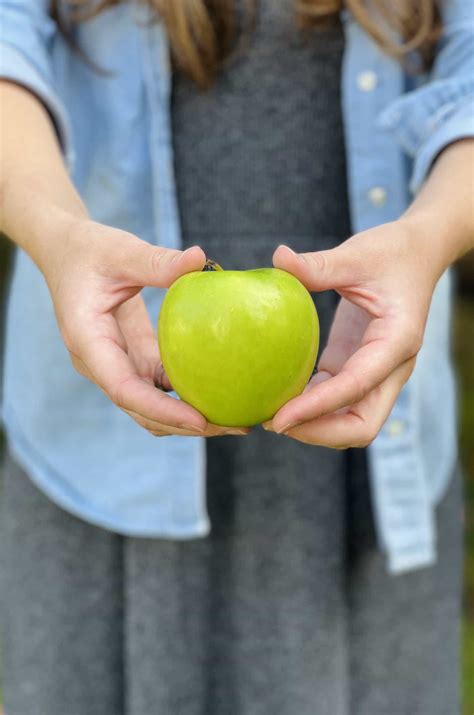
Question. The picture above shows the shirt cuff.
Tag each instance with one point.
(16, 67)
(426, 120)
(411, 558)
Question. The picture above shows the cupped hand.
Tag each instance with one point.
(95, 283)
(386, 279)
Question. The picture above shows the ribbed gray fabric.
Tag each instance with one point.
(97, 624)
(259, 160)
(286, 609)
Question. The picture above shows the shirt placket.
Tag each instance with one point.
(399, 485)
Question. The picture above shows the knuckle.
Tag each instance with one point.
(409, 367)
(140, 421)
(413, 340)
(156, 260)
(69, 340)
(356, 386)
(78, 365)
(363, 444)
(366, 436)
(319, 261)
(117, 395)
(157, 372)
(157, 432)
(159, 258)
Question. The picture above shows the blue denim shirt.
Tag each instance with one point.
(87, 455)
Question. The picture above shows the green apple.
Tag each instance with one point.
(237, 345)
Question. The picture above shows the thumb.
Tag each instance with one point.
(148, 265)
(320, 270)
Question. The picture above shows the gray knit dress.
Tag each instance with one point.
(286, 608)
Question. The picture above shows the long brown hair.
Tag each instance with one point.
(202, 32)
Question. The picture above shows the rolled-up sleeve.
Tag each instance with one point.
(26, 37)
(425, 120)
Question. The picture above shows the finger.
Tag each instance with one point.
(348, 327)
(161, 379)
(134, 320)
(113, 371)
(142, 342)
(366, 369)
(81, 367)
(148, 265)
(184, 433)
(320, 270)
(212, 430)
(358, 425)
(349, 324)
(318, 377)
(315, 380)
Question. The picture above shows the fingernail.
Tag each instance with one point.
(188, 250)
(267, 426)
(192, 428)
(180, 254)
(235, 431)
(287, 427)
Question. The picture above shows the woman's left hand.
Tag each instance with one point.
(386, 277)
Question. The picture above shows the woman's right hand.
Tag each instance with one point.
(95, 281)
(95, 273)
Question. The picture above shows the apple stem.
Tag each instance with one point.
(211, 266)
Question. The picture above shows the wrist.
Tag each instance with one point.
(444, 209)
(36, 214)
(55, 239)
(432, 238)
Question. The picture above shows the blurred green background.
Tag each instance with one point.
(464, 356)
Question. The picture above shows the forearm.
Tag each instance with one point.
(443, 212)
(38, 199)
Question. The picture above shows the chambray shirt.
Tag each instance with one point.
(84, 453)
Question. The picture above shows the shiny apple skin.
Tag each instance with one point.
(237, 345)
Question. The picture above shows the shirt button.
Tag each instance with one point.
(367, 81)
(378, 195)
(396, 427)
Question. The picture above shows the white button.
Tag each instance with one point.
(395, 428)
(378, 195)
(367, 81)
